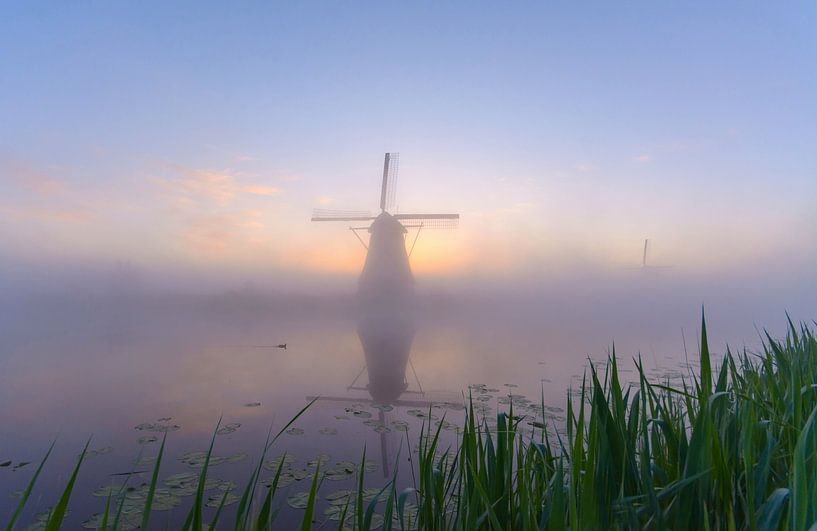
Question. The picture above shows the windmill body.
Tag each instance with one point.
(386, 273)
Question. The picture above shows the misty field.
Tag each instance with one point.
(732, 447)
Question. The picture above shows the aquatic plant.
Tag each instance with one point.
(731, 446)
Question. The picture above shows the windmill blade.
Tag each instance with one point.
(426, 216)
(387, 188)
(340, 215)
(430, 221)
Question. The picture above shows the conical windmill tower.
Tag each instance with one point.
(386, 275)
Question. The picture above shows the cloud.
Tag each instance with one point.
(644, 157)
(257, 189)
(30, 178)
(586, 168)
(224, 232)
(220, 186)
(59, 214)
(325, 200)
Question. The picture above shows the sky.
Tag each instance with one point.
(194, 139)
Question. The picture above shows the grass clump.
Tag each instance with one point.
(732, 446)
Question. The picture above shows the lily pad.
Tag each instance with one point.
(197, 459)
(339, 497)
(155, 427)
(295, 431)
(299, 475)
(147, 439)
(372, 493)
(328, 431)
(215, 500)
(299, 500)
(421, 414)
(145, 460)
(285, 480)
(334, 512)
(252, 404)
(273, 464)
(228, 428)
(99, 451)
(322, 458)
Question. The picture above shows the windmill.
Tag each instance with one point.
(644, 256)
(386, 273)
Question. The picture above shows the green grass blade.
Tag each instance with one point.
(306, 524)
(28, 489)
(154, 480)
(58, 514)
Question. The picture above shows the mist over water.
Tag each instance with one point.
(109, 352)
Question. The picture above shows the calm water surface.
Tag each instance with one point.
(107, 371)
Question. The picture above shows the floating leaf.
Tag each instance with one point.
(228, 428)
(215, 500)
(299, 500)
(252, 404)
(197, 459)
(99, 451)
(161, 428)
(299, 475)
(328, 431)
(295, 431)
(421, 414)
(322, 458)
(273, 464)
(339, 497)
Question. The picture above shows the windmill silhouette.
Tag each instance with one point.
(646, 266)
(387, 273)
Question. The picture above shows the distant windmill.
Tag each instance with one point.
(387, 272)
(644, 256)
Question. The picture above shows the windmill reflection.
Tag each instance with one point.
(386, 337)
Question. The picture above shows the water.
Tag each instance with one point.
(69, 371)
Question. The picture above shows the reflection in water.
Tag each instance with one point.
(386, 336)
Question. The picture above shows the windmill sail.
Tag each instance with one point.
(320, 214)
(388, 186)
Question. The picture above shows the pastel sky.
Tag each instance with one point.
(199, 136)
